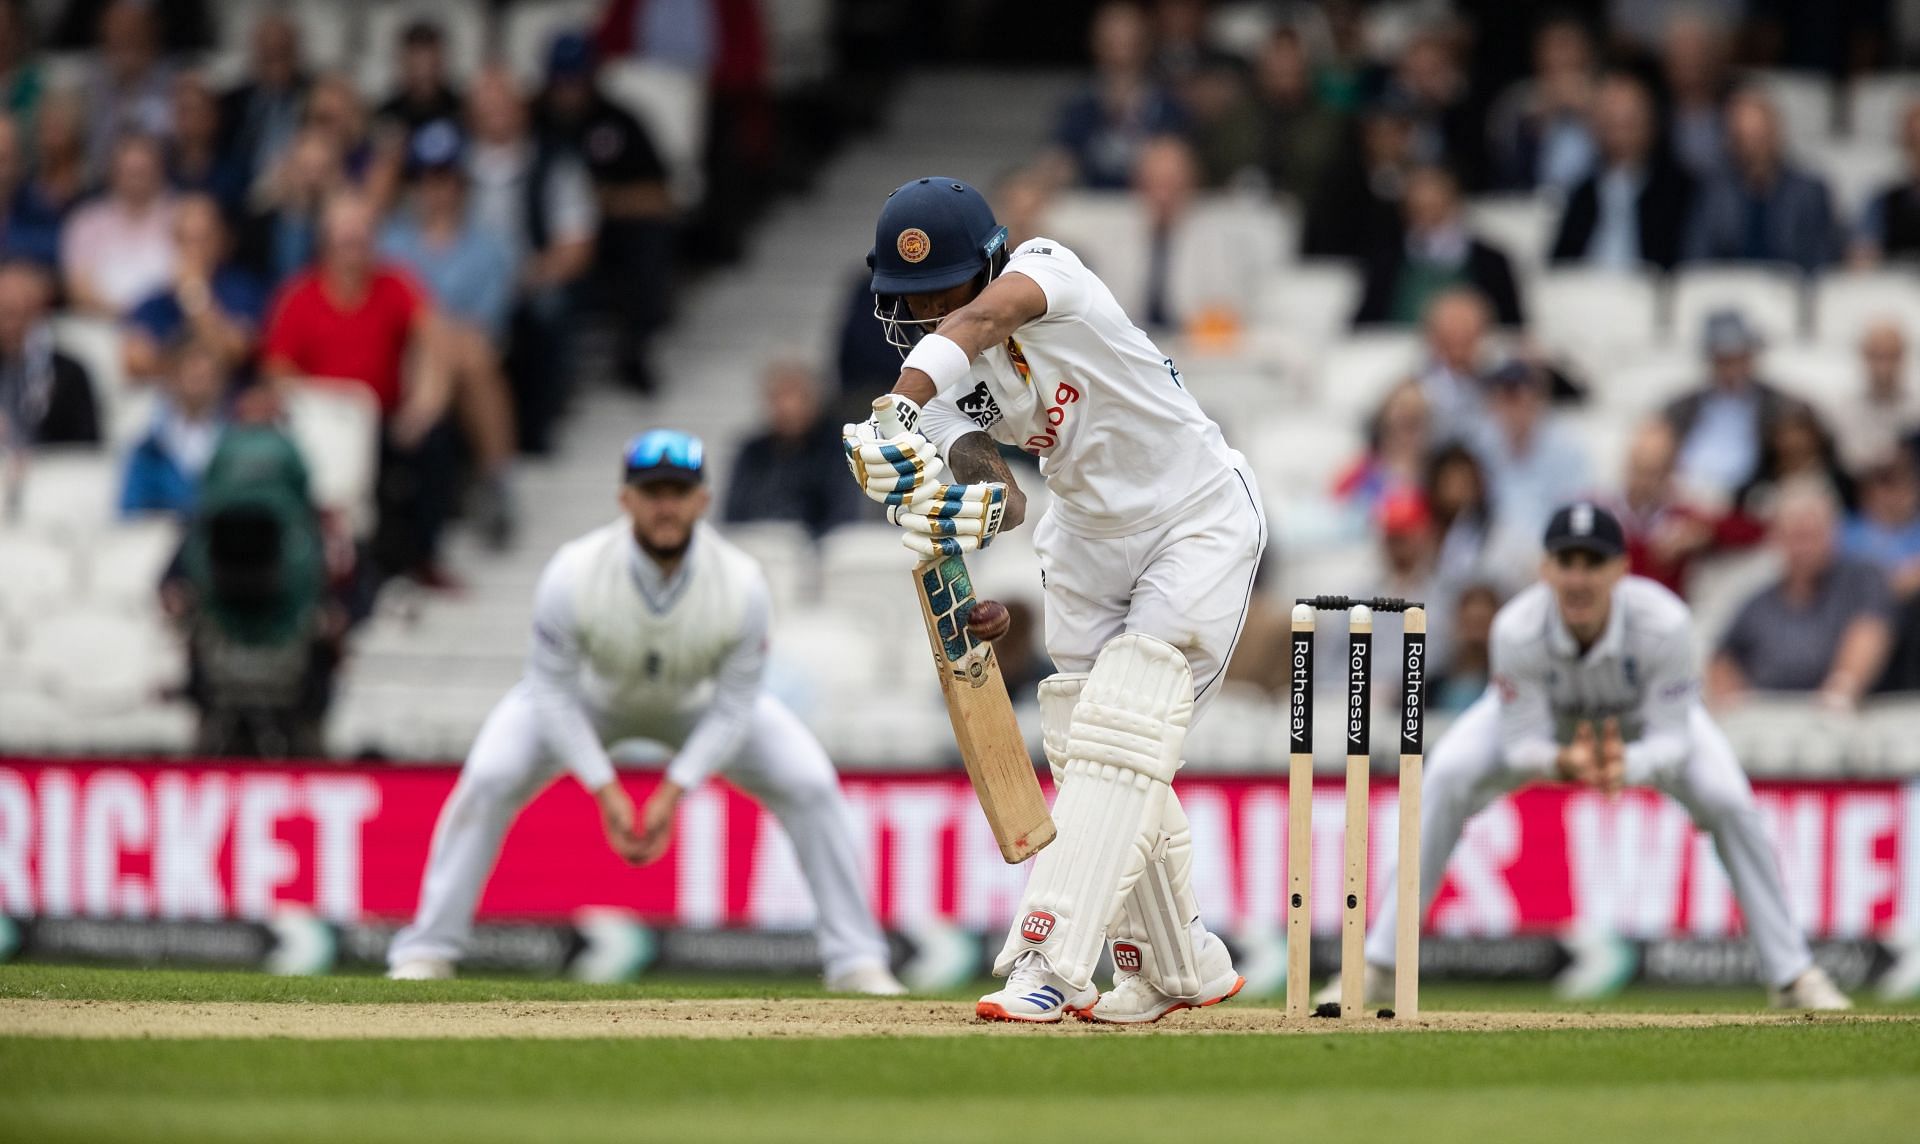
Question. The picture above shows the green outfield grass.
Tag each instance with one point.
(1834, 1082)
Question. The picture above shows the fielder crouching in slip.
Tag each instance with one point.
(1594, 682)
(652, 627)
(1148, 552)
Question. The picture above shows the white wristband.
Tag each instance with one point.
(941, 359)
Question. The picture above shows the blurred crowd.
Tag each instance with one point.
(1653, 136)
(431, 251)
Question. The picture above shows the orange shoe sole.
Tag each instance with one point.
(994, 1011)
(1239, 983)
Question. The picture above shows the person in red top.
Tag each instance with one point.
(351, 319)
(1665, 532)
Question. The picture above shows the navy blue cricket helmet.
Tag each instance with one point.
(933, 235)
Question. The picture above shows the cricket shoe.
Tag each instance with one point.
(422, 969)
(1811, 990)
(872, 979)
(1034, 993)
(1134, 1000)
(1379, 988)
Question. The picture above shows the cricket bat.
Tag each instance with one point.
(991, 746)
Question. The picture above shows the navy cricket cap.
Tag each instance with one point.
(569, 56)
(665, 455)
(933, 234)
(1585, 526)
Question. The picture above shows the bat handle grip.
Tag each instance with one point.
(887, 416)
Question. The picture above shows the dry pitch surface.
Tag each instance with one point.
(788, 1017)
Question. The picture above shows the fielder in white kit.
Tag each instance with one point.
(1148, 555)
(653, 627)
(1595, 682)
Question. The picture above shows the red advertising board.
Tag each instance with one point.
(188, 840)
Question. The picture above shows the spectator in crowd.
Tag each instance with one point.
(1449, 129)
(1761, 207)
(1406, 564)
(1824, 627)
(1541, 128)
(1795, 449)
(179, 26)
(1885, 410)
(262, 115)
(425, 91)
(1438, 253)
(793, 469)
(1454, 489)
(357, 320)
(1693, 68)
(864, 360)
(118, 249)
(1301, 137)
(1722, 426)
(469, 274)
(284, 232)
(1181, 52)
(541, 200)
(1463, 678)
(1021, 197)
(1633, 210)
(1165, 181)
(1666, 533)
(1455, 332)
(1223, 124)
(1885, 532)
(46, 397)
(1534, 462)
(209, 298)
(164, 469)
(1890, 225)
(129, 86)
(1399, 437)
(637, 212)
(1355, 207)
(372, 164)
(195, 160)
(20, 79)
(58, 179)
(21, 234)
(1100, 130)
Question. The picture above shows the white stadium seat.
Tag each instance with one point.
(1787, 733)
(125, 562)
(786, 555)
(1590, 308)
(1520, 225)
(37, 574)
(1855, 172)
(95, 344)
(1356, 374)
(1313, 300)
(672, 104)
(1767, 295)
(1877, 104)
(101, 661)
(1640, 387)
(529, 30)
(1718, 585)
(70, 491)
(336, 424)
(1844, 305)
(1805, 101)
(462, 22)
(1821, 373)
(865, 572)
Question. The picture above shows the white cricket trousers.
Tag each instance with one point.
(1464, 774)
(781, 764)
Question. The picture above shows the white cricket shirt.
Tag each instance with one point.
(623, 652)
(1122, 444)
(1641, 671)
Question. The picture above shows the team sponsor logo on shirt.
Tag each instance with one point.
(980, 407)
(1063, 396)
(913, 244)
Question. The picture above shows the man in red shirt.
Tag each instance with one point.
(352, 319)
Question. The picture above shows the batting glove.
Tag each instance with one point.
(891, 470)
(947, 520)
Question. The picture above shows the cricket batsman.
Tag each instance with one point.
(1594, 682)
(1148, 556)
(652, 627)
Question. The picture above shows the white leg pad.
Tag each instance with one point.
(1153, 934)
(1059, 693)
(1123, 747)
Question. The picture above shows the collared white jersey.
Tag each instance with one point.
(1640, 671)
(622, 652)
(1124, 447)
